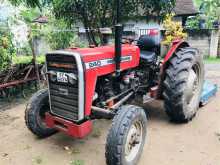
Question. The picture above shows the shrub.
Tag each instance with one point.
(57, 35)
(27, 59)
(6, 50)
(174, 30)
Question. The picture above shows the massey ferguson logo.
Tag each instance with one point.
(104, 62)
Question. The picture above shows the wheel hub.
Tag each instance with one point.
(192, 86)
(133, 141)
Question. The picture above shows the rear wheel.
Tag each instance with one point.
(35, 114)
(183, 84)
(126, 137)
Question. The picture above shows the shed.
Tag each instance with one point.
(185, 8)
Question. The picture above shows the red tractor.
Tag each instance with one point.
(85, 84)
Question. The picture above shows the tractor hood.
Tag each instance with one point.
(107, 52)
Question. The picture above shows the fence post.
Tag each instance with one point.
(218, 53)
(214, 43)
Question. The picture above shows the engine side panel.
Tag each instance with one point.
(100, 61)
(102, 58)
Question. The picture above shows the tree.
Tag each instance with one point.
(57, 35)
(96, 14)
(211, 8)
(159, 8)
(210, 14)
(6, 50)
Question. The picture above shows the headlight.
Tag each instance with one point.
(72, 78)
(52, 76)
(72, 81)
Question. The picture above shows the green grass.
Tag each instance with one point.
(211, 60)
(38, 160)
(27, 59)
(77, 162)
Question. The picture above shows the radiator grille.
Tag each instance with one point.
(63, 104)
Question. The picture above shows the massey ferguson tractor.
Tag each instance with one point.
(85, 84)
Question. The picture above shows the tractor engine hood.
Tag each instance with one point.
(94, 58)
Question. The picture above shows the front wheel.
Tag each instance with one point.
(126, 137)
(35, 114)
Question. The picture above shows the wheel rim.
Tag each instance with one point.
(193, 84)
(133, 141)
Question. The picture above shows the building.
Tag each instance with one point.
(182, 10)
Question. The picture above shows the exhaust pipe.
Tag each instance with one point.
(118, 40)
(118, 37)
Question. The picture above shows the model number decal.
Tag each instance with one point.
(95, 64)
(104, 62)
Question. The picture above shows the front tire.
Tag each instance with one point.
(35, 111)
(126, 138)
(183, 84)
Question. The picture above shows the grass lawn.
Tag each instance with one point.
(212, 60)
(27, 59)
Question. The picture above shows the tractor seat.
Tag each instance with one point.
(149, 42)
(148, 56)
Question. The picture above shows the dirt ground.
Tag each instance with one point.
(195, 143)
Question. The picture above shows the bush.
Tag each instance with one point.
(192, 22)
(60, 35)
(57, 35)
(6, 50)
(174, 30)
(27, 59)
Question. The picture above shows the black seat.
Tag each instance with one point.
(149, 45)
(149, 56)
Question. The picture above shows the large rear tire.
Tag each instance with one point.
(183, 84)
(35, 111)
(126, 137)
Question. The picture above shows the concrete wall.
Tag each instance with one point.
(214, 42)
(200, 39)
(206, 40)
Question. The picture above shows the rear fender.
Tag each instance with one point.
(175, 46)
